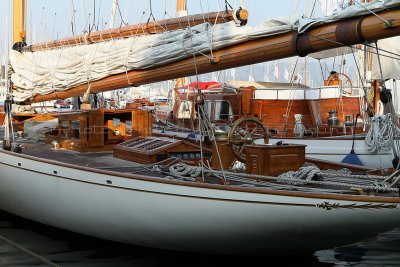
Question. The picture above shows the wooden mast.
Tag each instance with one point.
(336, 34)
(19, 27)
(180, 11)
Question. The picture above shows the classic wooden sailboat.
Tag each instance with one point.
(172, 200)
(277, 104)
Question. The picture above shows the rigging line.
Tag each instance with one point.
(384, 50)
(333, 63)
(320, 65)
(201, 143)
(94, 15)
(151, 12)
(291, 100)
(388, 23)
(120, 14)
(313, 8)
(380, 66)
(202, 12)
(165, 8)
(227, 4)
(360, 77)
(341, 44)
(41, 24)
(54, 24)
(84, 17)
(72, 17)
(211, 134)
(98, 17)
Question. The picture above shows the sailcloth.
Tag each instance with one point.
(389, 56)
(59, 69)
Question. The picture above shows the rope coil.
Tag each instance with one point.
(305, 175)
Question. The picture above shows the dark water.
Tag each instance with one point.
(69, 249)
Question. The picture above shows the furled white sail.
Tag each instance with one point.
(60, 69)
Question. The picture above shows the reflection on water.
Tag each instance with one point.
(69, 249)
(383, 250)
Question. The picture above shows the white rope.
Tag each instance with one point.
(182, 169)
(300, 176)
(305, 175)
(27, 251)
(381, 133)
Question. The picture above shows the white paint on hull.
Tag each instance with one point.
(180, 217)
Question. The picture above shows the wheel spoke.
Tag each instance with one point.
(245, 131)
(238, 142)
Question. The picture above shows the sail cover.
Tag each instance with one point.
(60, 69)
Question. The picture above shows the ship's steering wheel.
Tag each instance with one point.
(246, 131)
(345, 84)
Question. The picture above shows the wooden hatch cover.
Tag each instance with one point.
(150, 149)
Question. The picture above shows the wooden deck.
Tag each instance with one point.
(104, 161)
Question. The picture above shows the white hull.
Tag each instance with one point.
(337, 149)
(183, 216)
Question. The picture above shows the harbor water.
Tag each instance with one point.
(26, 243)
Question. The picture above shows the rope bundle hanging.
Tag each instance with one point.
(381, 133)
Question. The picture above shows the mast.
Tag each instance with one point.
(19, 27)
(19, 40)
(337, 34)
(113, 10)
(180, 12)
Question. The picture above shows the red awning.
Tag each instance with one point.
(204, 85)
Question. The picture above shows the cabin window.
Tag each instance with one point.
(75, 127)
(223, 110)
(64, 125)
(207, 108)
(185, 110)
